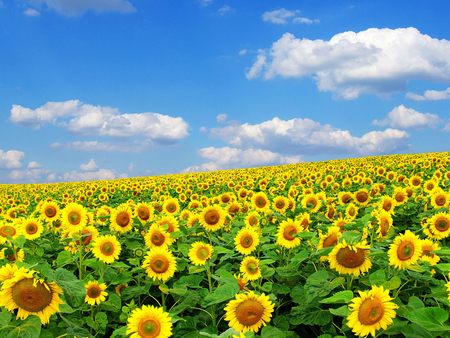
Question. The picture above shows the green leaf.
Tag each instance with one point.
(443, 267)
(190, 300)
(393, 284)
(121, 332)
(133, 291)
(272, 332)
(300, 257)
(193, 281)
(339, 297)
(221, 294)
(377, 278)
(74, 289)
(113, 304)
(430, 318)
(311, 316)
(75, 330)
(29, 328)
(64, 258)
(342, 311)
(267, 287)
(5, 318)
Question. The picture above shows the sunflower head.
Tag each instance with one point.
(149, 322)
(159, 263)
(246, 240)
(350, 259)
(200, 253)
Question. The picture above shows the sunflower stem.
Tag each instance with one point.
(163, 300)
(208, 273)
(349, 282)
(81, 251)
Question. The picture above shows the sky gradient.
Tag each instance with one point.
(111, 89)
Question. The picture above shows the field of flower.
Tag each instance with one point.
(331, 249)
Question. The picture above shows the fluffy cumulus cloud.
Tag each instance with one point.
(232, 158)
(283, 16)
(34, 165)
(91, 166)
(147, 129)
(31, 12)
(35, 175)
(307, 137)
(408, 118)
(74, 8)
(11, 159)
(374, 61)
(432, 95)
(101, 174)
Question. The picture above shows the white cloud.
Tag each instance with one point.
(87, 120)
(37, 175)
(447, 127)
(221, 118)
(304, 136)
(279, 16)
(101, 174)
(233, 158)
(205, 2)
(131, 167)
(432, 95)
(374, 61)
(74, 8)
(224, 9)
(11, 159)
(305, 20)
(402, 117)
(31, 12)
(243, 52)
(136, 146)
(34, 165)
(91, 166)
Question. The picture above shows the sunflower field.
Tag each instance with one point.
(344, 248)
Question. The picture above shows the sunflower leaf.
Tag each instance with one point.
(29, 328)
(429, 318)
(74, 289)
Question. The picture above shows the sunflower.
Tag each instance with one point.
(248, 312)
(361, 197)
(73, 217)
(344, 197)
(350, 259)
(106, 248)
(144, 212)
(280, 204)
(32, 228)
(311, 202)
(95, 293)
(252, 219)
(9, 229)
(149, 322)
(351, 211)
(121, 219)
(439, 198)
(170, 222)
(157, 237)
(192, 220)
(329, 239)
(242, 281)
(200, 253)
(30, 296)
(246, 240)
(250, 268)
(387, 203)
(212, 218)
(285, 233)
(331, 211)
(171, 206)
(260, 202)
(87, 235)
(438, 226)
(427, 247)
(405, 250)
(159, 263)
(8, 253)
(371, 311)
(385, 222)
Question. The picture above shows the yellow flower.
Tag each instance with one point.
(30, 296)
(95, 293)
(171, 206)
(32, 228)
(248, 312)
(160, 264)
(350, 259)
(121, 219)
(200, 253)
(106, 248)
(312, 203)
(405, 250)
(329, 239)
(362, 197)
(149, 322)
(157, 237)
(9, 255)
(438, 226)
(73, 217)
(250, 268)
(212, 218)
(9, 229)
(371, 311)
(427, 247)
(280, 204)
(260, 202)
(285, 233)
(246, 241)
(50, 211)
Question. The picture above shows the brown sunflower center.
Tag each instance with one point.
(123, 219)
(74, 217)
(331, 240)
(212, 217)
(29, 297)
(440, 200)
(442, 224)
(384, 226)
(7, 230)
(149, 328)
(249, 312)
(50, 211)
(94, 291)
(387, 205)
(246, 241)
(400, 197)
(202, 253)
(86, 239)
(159, 264)
(371, 311)
(171, 208)
(107, 248)
(31, 228)
(143, 213)
(280, 204)
(288, 233)
(405, 250)
(260, 202)
(158, 238)
(362, 196)
(252, 268)
(350, 258)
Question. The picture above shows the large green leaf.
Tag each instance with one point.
(29, 328)
(430, 318)
(339, 297)
(74, 289)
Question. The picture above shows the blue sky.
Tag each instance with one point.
(108, 89)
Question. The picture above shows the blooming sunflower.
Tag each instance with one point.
(385, 222)
(200, 253)
(171, 222)
(351, 211)
(159, 263)
(212, 218)
(427, 247)
(250, 268)
(285, 233)
(95, 293)
(106, 248)
(371, 311)
(438, 226)
(311, 202)
(171, 206)
(121, 219)
(331, 238)
(246, 241)
(73, 217)
(280, 204)
(8, 253)
(149, 322)
(350, 259)
(260, 202)
(7, 271)
(32, 228)
(157, 237)
(439, 198)
(9, 229)
(362, 197)
(242, 281)
(30, 296)
(405, 250)
(248, 312)
(50, 211)
(252, 219)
